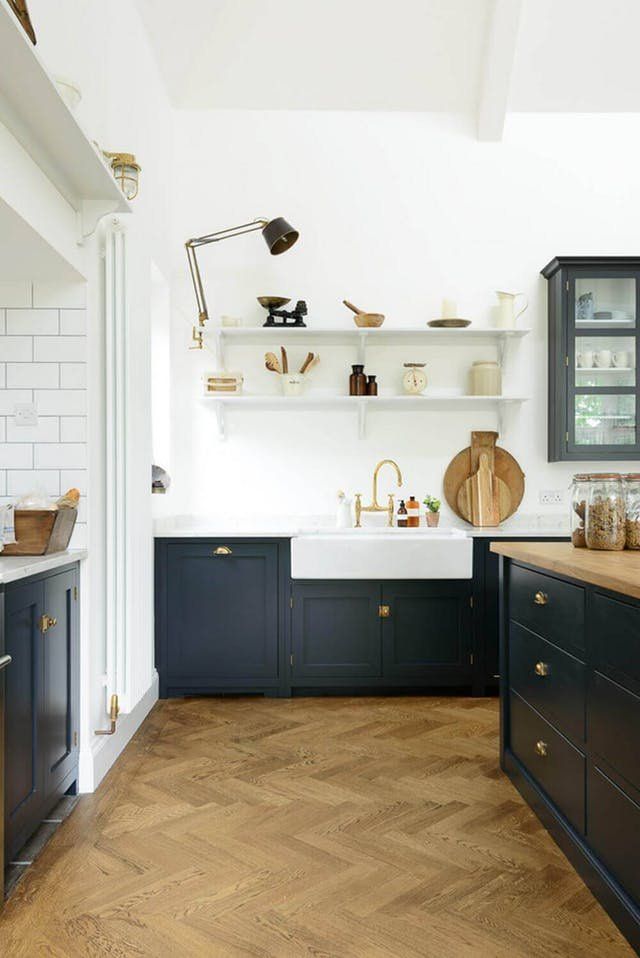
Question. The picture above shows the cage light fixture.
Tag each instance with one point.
(126, 172)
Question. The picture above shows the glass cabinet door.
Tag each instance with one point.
(602, 347)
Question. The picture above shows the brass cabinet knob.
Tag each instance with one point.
(542, 749)
(542, 669)
(384, 611)
(47, 622)
(222, 551)
(541, 598)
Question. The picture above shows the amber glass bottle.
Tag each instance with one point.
(413, 512)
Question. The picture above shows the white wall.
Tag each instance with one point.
(395, 212)
(104, 48)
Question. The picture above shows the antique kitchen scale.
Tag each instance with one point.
(279, 317)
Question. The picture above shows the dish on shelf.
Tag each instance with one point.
(449, 323)
(273, 302)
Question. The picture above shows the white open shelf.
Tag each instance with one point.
(268, 337)
(35, 115)
(361, 405)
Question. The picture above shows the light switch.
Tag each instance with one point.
(25, 414)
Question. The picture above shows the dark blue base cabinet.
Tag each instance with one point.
(41, 634)
(570, 725)
(230, 619)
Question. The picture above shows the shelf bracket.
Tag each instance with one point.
(90, 214)
(362, 420)
(221, 420)
(220, 350)
(502, 351)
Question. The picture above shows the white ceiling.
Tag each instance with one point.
(431, 55)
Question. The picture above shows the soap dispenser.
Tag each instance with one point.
(343, 514)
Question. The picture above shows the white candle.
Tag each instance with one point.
(449, 309)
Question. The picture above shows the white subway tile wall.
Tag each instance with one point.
(43, 363)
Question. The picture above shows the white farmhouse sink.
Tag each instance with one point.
(380, 555)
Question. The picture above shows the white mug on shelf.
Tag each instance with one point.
(621, 359)
(603, 359)
(584, 360)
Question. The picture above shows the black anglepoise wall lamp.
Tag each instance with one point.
(278, 235)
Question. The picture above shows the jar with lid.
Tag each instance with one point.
(605, 526)
(579, 494)
(632, 505)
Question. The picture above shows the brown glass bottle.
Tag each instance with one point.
(372, 386)
(402, 515)
(413, 512)
(357, 381)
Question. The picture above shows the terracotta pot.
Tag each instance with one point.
(433, 518)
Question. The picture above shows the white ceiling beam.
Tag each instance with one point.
(500, 49)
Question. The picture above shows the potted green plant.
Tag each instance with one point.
(433, 511)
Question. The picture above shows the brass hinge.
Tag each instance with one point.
(471, 601)
(291, 660)
(291, 602)
(566, 361)
(471, 658)
(75, 739)
(384, 611)
(75, 593)
(566, 437)
(566, 285)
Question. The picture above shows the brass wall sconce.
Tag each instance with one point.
(126, 172)
(277, 234)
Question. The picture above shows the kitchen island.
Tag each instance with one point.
(570, 707)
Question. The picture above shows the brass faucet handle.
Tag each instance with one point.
(390, 510)
(358, 509)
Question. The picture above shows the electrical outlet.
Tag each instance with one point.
(551, 497)
(26, 414)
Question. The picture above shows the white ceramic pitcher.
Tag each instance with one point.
(506, 310)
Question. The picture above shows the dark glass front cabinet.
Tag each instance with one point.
(594, 348)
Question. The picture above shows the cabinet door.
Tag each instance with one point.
(601, 364)
(222, 614)
(59, 676)
(336, 629)
(23, 763)
(428, 629)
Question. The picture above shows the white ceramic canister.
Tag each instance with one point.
(485, 378)
(292, 384)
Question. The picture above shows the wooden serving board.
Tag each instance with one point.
(465, 464)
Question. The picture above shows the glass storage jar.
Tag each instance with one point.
(605, 520)
(632, 504)
(579, 495)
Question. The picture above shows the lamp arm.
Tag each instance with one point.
(191, 246)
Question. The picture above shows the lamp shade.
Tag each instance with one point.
(279, 236)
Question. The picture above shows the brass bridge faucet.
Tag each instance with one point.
(375, 505)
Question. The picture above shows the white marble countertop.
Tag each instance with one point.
(284, 527)
(21, 567)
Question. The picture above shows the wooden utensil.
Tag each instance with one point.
(505, 468)
(465, 506)
(285, 361)
(483, 443)
(306, 364)
(481, 492)
(272, 363)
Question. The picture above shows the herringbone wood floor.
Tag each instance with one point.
(363, 827)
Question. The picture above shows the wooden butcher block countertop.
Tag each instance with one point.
(617, 571)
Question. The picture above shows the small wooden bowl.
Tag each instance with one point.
(368, 320)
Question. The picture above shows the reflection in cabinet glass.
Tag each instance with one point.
(593, 355)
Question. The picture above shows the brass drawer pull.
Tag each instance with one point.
(542, 749)
(384, 611)
(542, 669)
(47, 622)
(222, 551)
(541, 598)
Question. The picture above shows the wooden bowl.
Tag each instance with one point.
(274, 302)
(368, 320)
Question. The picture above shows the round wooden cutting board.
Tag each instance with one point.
(506, 468)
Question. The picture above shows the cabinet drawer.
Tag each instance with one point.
(557, 766)
(614, 727)
(615, 629)
(549, 679)
(613, 830)
(553, 609)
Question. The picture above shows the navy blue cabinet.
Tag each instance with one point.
(219, 615)
(335, 630)
(426, 631)
(40, 627)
